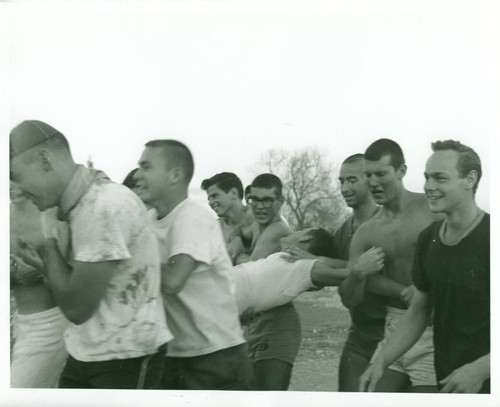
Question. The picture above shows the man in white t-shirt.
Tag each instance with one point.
(107, 279)
(303, 263)
(208, 350)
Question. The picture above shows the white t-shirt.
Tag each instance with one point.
(270, 282)
(203, 316)
(110, 223)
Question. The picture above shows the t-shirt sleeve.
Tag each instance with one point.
(193, 234)
(101, 232)
(419, 275)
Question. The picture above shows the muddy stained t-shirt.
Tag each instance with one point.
(110, 223)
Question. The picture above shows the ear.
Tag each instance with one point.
(234, 193)
(471, 179)
(176, 174)
(401, 171)
(306, 238)
(45, 160)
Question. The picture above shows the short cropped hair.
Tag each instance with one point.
(176, 153)
(468, 159)
(268, 181)
(224, 181)
(383, 147)
(353, 158)
(129, 180)
(322, 243)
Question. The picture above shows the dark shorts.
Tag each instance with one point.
(362, 341)
(276, 334)
(137, 373)
(226, 369)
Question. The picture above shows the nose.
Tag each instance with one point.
(371, 180)
(429, 184)
(345, 186)
(138, 175)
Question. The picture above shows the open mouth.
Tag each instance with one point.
(433, 197)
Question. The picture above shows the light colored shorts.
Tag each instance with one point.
(418, 362)
(39, 356)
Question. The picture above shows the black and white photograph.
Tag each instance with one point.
(249, 203)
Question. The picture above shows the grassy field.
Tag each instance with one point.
(324, 328)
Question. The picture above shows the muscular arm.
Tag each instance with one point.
(382, 285)
(352, 289)
(268, 242)
(77, 291)
(176, 272)
(409, 329)
(325, 275)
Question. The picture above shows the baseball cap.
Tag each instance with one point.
(29, 134)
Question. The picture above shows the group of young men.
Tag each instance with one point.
(172, 299)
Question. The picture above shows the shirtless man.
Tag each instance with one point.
(452, 275)
(274, 336)
(367, 328)
(225, 194)
(38, 354)
(395, 228)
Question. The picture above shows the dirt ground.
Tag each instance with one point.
(324, 328)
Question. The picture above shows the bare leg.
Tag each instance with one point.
(393, 382)
(352, 366)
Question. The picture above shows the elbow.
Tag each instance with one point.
(172, 287)
(348, 301)
(76, 316)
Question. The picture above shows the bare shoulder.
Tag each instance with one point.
(363, 237)
(278, 229)
(420, 207)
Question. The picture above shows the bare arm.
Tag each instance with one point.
(382, 285)
(409, 329)
(468, 378)
(323, 274)
(268, 242)
(352, 289)
(78, 290)
(176, 272)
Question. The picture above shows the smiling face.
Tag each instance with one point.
(444, 188)
(152, 177)
(353, 184)
(266, 205)
(221, 202)
(384, 182)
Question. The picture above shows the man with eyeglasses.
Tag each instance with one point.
(273, 336)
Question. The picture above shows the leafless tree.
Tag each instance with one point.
(310, 187)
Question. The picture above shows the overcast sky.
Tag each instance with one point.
(232, 82)
(233, 79)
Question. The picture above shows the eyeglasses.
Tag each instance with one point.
(266, 202)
